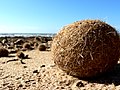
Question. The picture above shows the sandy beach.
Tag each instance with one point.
(59, 45)
(38, 72)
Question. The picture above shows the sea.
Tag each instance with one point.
(26, 34)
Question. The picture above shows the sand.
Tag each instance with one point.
(40, 73)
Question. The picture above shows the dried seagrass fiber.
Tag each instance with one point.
(3, 52)
(86, 48)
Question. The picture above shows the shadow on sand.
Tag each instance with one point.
(107, 78)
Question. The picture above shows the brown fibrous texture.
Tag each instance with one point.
(42, 47)
(86, 48)
(3, 52)
(27, 45)
(38, 39)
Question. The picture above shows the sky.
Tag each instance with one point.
(49, 16)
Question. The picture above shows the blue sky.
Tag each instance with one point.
(49, 16)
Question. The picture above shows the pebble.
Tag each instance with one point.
(42, 66)
(35, 71)
(79, 84)
(4, 84)
(25, 66)
(52, 65)
(18, 78)
(20, 85)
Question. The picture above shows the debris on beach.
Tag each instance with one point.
(42, 47)
(4, 52)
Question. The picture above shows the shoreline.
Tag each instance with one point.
(27, 34)
(26, 38)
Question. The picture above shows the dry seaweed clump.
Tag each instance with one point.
(86, 48)
(38, 39)
(19, 42)
(42, 47)
(3, 52)
(21, 55)
(27, 45)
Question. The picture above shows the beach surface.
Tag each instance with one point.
(39, 72)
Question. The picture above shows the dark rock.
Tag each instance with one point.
(42, 66)
(35, 71)
(79, 84)
(20, 85)
(25, 66)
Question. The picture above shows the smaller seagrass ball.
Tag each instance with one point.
(20, 55)
(3, 52)
(86, 48)
(19, 42)
(42, 47)
(38, 39)
(27, 45)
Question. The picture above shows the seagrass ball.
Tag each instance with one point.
(27, 45)
(3, 52)
(42, 47)
(20, 55)
(86, 48)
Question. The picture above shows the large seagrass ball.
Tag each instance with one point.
(86, 48)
